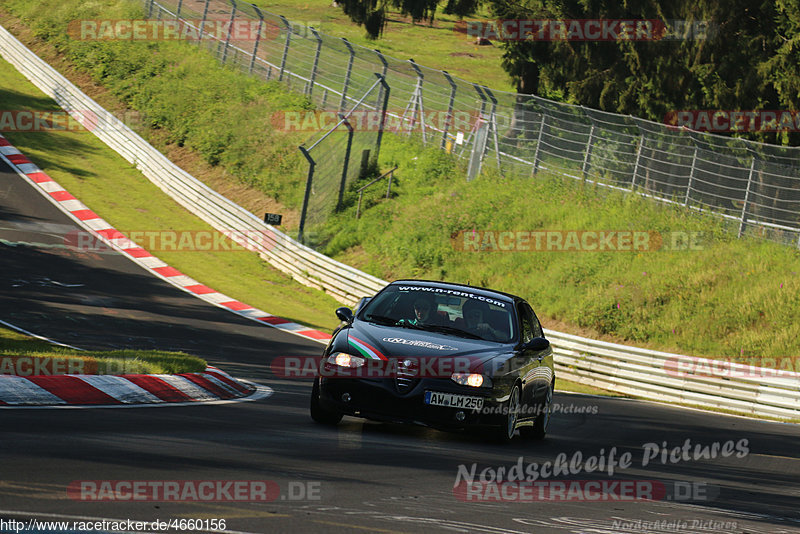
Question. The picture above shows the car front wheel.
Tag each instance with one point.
(539, 428)
(511, 412)
(319, 414)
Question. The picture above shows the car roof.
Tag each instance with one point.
(452, 285)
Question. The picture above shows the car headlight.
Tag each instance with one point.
(342, 359)
(471, 379)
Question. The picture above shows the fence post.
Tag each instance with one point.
(493, 124)
(306, 196)
(313, 77)
(178, 10)
(385, 90)
(384, 70)
(416, 102)
(150, 9)
(479, 142)
(203, 22)
(285, 46)
(587, 156)
(391, 178)
(347, 74)
(539, 143)
(230, 30)
(747, 196)
(258, 38)
(638, 158)
(691, 177)
(450, 105)
(346, 163)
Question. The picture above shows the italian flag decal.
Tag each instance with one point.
(365, 349)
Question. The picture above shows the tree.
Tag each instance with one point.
(372, 13)
(746, 60)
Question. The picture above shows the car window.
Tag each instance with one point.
(400, 305)
(526, 322)
(537, 326)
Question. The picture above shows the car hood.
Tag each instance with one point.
(390, 342)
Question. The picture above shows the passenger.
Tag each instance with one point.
(475, 314)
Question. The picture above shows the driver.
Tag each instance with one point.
(423, 311)
(475, 314)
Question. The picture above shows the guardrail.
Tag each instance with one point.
(644, 373)
(663, 376)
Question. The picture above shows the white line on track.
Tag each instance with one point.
(23, 331)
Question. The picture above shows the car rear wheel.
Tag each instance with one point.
(319, 414)
(506, 432)
(539, 428)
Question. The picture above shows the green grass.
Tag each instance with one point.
(438, 46)
(18, 353)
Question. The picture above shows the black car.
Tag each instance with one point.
(444, 355)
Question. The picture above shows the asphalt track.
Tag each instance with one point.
(362, 476)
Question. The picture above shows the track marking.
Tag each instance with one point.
(42, 338)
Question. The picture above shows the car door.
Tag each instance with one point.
(529, 362)
(544, 360)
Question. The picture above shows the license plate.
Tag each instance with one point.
(453, 401)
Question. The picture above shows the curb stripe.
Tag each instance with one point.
(73, 390)
(159, 388)
(85, 215)
(200, 289)
(187, 387)
(168, 271)
(210, 386)
(61, 196)
(137, 252)
(17, 390)
(222, 377)
(120, 389)
(235, 305)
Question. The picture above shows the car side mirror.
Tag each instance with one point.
(345, 314)
(537, 344)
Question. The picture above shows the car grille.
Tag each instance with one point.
(407, 376)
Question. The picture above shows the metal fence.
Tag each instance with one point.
(341, 154)
(754, 185)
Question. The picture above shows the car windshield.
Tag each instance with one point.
(457, 312)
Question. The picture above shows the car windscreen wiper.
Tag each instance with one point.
(451, 330)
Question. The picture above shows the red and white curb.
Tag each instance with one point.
(212, 385)
(89, 220)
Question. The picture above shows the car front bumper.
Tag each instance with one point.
(380, 399)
